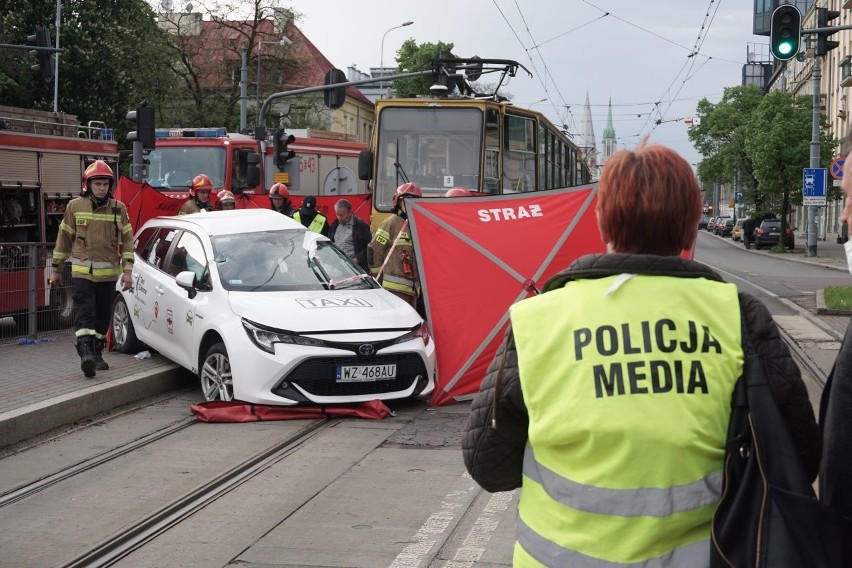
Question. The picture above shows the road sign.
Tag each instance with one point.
(836, 168)
(813, 186)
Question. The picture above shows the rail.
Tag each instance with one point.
(93, 130)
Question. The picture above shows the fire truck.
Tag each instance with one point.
(325, 163)
(42, 158)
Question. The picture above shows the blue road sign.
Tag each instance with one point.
(813, 182)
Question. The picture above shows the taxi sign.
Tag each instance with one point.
(836, 168)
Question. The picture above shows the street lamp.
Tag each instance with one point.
(283, 41)
(382, 55)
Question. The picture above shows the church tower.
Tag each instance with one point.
(609, 140)
(586, 140)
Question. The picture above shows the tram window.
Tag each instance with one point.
(519, 155)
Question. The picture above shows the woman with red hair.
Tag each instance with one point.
(608, 402)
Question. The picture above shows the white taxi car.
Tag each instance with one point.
(265, 311)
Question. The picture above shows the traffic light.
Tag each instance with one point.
(41, 39)
(785, 32)
(824, 15)
(144, 118)
(282, 153)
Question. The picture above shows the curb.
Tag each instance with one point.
(805, 260)
(36, 419)
(821, 308)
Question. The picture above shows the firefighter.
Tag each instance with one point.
(95, 232)
(279, 199)
(199, 196)
(392, 247)
(227, 201)
(459, 192)
(308, 216)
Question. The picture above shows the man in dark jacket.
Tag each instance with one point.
(835, 417)
(351, 234)
(748, 232)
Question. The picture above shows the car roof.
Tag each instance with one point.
(229, 222)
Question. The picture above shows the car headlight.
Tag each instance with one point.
(421, 331)
(267, 338)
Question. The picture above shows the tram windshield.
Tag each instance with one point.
(435, 147)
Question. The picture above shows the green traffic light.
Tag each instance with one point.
(785, 47)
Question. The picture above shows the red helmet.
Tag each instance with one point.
(407, 189)
(279, 190)
(225, 196)
(459, 192)
(98, 169)
(200, 183)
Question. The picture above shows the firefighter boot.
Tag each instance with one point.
(86, 350)
(100, 364)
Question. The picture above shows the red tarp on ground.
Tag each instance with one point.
(144, 202)
(479, 255)
(246, 412)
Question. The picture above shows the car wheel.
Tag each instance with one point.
(123, 334)
(215, 374)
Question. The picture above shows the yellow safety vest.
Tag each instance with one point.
(627, 381)
(316, 225)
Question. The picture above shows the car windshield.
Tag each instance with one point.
(290, 259)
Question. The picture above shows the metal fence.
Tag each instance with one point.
(29, 305)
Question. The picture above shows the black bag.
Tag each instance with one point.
(768, 515)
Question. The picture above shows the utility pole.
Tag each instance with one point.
(815, 150)
(243, 87)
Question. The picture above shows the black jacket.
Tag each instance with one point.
(361, 237)
(494, 457)
(835, 418)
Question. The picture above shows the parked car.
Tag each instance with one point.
(737, 232)
(265, 311)
(769, 233)
(702, 223)
(720, 224)
(711, 224)
(725, 226)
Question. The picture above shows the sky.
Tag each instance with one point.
(655, 59)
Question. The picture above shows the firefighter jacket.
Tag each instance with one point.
(191, 205)
(98, 240)
(400, 273)
(533, 431)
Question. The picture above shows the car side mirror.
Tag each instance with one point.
(186, 280)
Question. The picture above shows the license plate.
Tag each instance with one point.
(365, 373)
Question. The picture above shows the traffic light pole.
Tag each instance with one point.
(815, 159)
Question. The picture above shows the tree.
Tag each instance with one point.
(778, 145)
(720, 137)
(412, 57)
(114, 57)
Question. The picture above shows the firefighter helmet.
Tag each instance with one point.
(406, 189)
(98, 169)
(226, 196)
(200, 183)
(279, 190)
(459, 192)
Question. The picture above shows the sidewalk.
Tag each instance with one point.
(44, 389)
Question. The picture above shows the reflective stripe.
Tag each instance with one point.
(644, 501)
(127, 228)
(398, 287)
(93, 264)
(398, 280)
(99, 272)
(67, 228)
(106, 217)
(82, 332)
(551, 554)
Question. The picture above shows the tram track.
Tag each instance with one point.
(816, 375)
(132, 537)
(24, 491)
